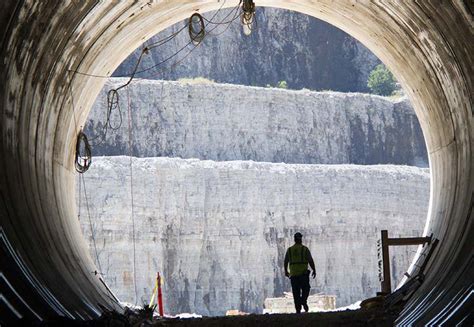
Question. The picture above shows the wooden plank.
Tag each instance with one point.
(408, 241)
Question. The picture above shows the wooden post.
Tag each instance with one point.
(386, 283)
(386, 242)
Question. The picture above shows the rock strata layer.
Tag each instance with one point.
(218, 231)
(230, 122)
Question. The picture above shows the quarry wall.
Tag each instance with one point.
(217, 223)
(218, 230)
(221, 122)
(307, 52)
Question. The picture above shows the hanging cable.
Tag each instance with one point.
(102, 133)
(196, 29)
(90, 224)
(83, 153)
(82, 164)
(113, 104)
(155, 44)
(130, 149)
(248, 16)
(179, 61)
(83, 157)
(236, 9)
(197, 32)
(217, 24)
(165, 40)
(80, 202)
(223, 21)
(228, 23)
(161, 42)
(113, 99)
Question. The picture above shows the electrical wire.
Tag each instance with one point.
(191, 41)
(196, 35)
(105, 126)
(166, 59)
(228, 23)
(113, 98)
(82, 164)
(166, 39)
(236, 16)
(222, 22)
(153, 45)
(130, 135)
(81, 167)
(90, 223)
(82, 160)
(80, 202)
(158, 43)
(248, 16)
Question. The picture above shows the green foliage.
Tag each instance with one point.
(381, 81)
(282, 85)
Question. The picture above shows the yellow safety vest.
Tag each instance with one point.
(298, 258)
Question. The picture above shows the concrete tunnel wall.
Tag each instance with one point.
(428, 45)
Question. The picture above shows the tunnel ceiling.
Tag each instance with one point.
(46, 269)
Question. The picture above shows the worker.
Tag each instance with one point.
(298, 257)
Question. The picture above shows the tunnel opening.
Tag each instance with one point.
(152, 128)
(425, 47)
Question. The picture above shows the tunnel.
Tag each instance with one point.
(53, 57)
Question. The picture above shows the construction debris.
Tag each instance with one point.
(316, 303)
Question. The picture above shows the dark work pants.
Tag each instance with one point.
(300, 287)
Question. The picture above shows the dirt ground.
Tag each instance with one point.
(353, 318)
(341, 318)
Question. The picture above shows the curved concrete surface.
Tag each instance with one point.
(46, 270)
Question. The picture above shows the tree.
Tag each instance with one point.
(381, 81)
(282, 85)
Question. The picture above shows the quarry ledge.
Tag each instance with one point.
(180, 163)
(117, 81)
(223, 122)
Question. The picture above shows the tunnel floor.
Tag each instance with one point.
(341, 318)
(361, 317)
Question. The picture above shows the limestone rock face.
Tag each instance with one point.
(299, 49)
(230, 122)
(218, 231)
